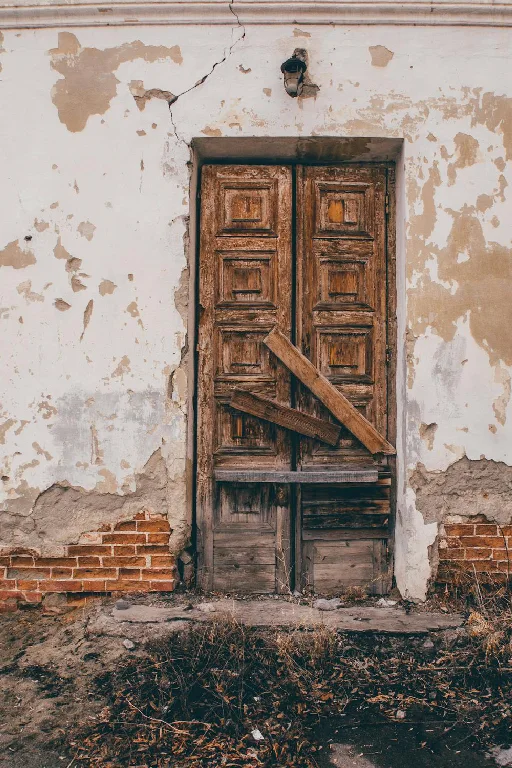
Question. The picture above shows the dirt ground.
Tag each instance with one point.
(52, 659)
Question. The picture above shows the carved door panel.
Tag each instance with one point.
(343, 330)
(245, 291)
(338, 316)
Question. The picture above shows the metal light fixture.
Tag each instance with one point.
(293, 70)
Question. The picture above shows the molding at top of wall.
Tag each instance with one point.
(26, 14)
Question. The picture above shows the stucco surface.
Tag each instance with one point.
(94, 256)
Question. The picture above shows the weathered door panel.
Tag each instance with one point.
(342, 329)
(244, 291)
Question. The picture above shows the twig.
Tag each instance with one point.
(164, 722)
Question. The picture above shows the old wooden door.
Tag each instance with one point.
(304, 250)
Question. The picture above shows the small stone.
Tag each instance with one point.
(400, 714)
(206, 607)
(257, 735)
(327, 605)
(128, 644)
(122, 605)
(384, 603)
(297, 593)
(428, 644)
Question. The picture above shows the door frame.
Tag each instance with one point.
(390, 153)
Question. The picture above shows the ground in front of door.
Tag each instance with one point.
(195, 681)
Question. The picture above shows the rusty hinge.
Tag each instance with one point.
(386, 204)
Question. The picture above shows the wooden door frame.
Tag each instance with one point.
(392, 340)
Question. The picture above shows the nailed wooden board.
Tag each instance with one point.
(290, 418)
(309, 478)
(341, 408)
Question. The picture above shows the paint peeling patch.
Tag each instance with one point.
(77, 285)
(122, 367)
(466, 151)
(466, 488)
(41, 452)
(87, 316)
(300, 33)
(106, 287)
(428, 433)
(381, 56)
(4, 428)
(244, 71)
(59, 251)
(14, 256)
(86, 229)
(25, 290)
(211, 131)
(61, 305)
(500, 405)
(141, 95)
(88, 83)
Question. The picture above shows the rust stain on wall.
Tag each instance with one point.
(88, 82)
(15, 256)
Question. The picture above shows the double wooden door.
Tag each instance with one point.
(304, 250)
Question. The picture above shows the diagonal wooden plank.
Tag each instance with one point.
(269, 410)
(341, 408)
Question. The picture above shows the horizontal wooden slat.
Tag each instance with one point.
(350, 520)
(341, 408)
(250, 578)
(342, 534)
(269, 410)
(244, 556)
(312, 478)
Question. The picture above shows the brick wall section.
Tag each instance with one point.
(476, 545)
(130, 556)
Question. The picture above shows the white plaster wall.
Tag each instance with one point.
(88, 406)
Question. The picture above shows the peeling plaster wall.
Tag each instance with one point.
(95, 146)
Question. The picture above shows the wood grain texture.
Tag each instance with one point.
(303, 478)
(341, 408)
(286, 417)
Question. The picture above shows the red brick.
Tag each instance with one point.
(486, 529)
(126, 525)
(18, 561)
(89, 549)
(127, 586)
(7, 583)
(60, 586)
(32, 597)
(501, 554)
(153, 526)
(97, 585)
(5, 594)
(163, 561)
(124, 538)
(453, 541)
(4, 561)
(459, 529)
(482, 541)
(94, 573)
(451, 554)
(162, 586)
(158, 538)
(9, 606)
(129, 573)
(151, 549)
(62, 573)
(479, 565)
(156, 574)
(140, 516)
(56, 562)
(478, 554)
(124, 562)
(87, 562)
(28, 573)
(506, 530)
(29, 585)
(124, 551)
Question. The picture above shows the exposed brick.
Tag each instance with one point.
(486, 529)
(32, 597)
(20, 561)
(89, 549)
(124, 538)
(459, 529)
(8, 606)
(478, 554)
(5, 561)
(124, 562)
(156, 574)
(479, 565)
(506, 530)
(153, 526)
(482, 541)
(87, 562)
(126, 585)
(162, 586)
(27, 585)
(28, 573)
(148, 549)
(158, 538)
(453, 541)
(60, 586)
(126, 525)
(124, 551)
(6, 594)
(61, 573)
(140, 516)
(96, 585)
(55, 562)
(94, 573)
(163, 561)
(451, 554)
(129, 573)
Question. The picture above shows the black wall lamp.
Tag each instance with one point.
(293, 70)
